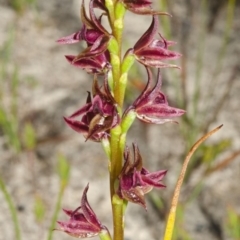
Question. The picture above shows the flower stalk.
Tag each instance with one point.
(103, 117)
(118, 217)
(116, 166)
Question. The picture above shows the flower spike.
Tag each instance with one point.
(83, 221)
(152, 106)
(135, 180)
(151, 52)
(98, 115)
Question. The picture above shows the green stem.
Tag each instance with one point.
(116, 63)
(56, 211)
(12, 209)
(118, 218)
(111, 16)
(117, 140)
(116, 53)
(116, 157)
(115, 169)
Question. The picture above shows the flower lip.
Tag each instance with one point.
(83, 221)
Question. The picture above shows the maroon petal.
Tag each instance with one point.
(158, 114)
(75, 215)
(82, 110)
(68, 212)
(99, 4)
(154, 96)
(87, 210)
(73, 38)
(96, 49)
(157, 54)
(146, 11)
(139, 3)
(156, 176)
(89, 64)
(137, 165)
(134, 195)
(152, 183)
(77, 125)
(142, 7)
(96, 22)
(148, 36)
(91, 35)
(161, 43)
(141, 99)
(85, 19)
(77, 229)
(157, 64)
(160, 111)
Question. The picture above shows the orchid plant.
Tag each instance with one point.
(104, 117)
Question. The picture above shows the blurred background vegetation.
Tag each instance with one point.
(37, 89)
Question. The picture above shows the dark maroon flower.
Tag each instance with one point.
(142, 7)
(98, 115)
(98, 64)
(88, 35)
(151, 52)
(152, 106)
(135, 180)
(95, 58)
(83, 221)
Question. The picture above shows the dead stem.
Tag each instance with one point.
(172, 214)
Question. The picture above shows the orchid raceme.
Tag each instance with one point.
(104, 119)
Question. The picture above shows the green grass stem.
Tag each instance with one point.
(56, 212)
(12, 209)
